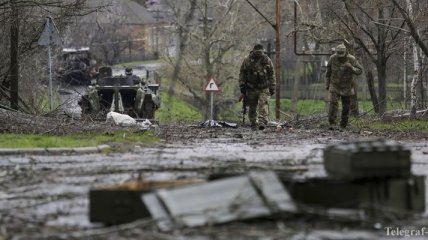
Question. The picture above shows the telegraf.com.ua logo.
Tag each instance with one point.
(406, 232)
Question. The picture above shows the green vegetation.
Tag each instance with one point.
(43, 105)
(304, 107)
(75, 140)
(312, 106)
(173, 109)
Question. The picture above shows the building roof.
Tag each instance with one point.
(123, 11)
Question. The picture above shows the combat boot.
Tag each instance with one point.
(343, 124)
(331, 124)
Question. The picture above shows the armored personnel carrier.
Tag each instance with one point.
(123, 94)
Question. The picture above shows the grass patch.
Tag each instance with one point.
(74, 140)
(173, 109)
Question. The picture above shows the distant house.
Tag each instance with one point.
(116, 31)
(163, 36)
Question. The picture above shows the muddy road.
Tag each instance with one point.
(46, 197)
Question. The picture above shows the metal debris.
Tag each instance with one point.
(214, 123)
(367, 158)
(236, 198)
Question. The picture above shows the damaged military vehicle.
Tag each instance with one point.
(76, 66)
(123, 94)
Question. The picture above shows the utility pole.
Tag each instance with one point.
(14, 60)
(278, 60)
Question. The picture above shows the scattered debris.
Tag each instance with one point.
(367, 158)
(406, 114)
(236, 198)
(127, 121)
(122, 203)
(372, 177)
(280, 127)
(378, 198)
(213, 123)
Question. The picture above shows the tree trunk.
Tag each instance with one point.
(295, 95)
(14, 54)
(381, 74)
(422, 89)
(354, 105)
(381, 61)
(372, 91)
(414, 82)
(415, 67)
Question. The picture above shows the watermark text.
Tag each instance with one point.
(405, 232)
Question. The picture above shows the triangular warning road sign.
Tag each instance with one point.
(50, 34)
(211, 86)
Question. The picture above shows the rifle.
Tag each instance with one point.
(243, 98)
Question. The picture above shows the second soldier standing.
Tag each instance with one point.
(257, 83)
(341, 69)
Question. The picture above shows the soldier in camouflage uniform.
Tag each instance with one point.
(257, 83)
(341, 69)
(134, 79)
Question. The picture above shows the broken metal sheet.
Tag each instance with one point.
(278, 198)
(158, 212)
(235, 198)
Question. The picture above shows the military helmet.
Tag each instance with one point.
(341, 50)
(258, 47)
(128, 71)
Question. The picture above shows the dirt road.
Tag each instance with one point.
(46, 197)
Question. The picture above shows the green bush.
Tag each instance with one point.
(175, 110)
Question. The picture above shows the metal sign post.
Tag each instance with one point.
(50, 36)
(50, 78)
(211, 87)
(212, 105)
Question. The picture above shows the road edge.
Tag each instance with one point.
(54, 151)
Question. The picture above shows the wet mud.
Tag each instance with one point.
(46, 197)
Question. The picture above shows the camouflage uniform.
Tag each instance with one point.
(131, 78)
(341, 69)
(257, 83)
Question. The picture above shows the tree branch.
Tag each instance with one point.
(412, 28)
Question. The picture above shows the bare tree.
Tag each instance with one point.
(21, 22)
(118, 27)
(373, 26)
(212, 43)
(411, 21)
